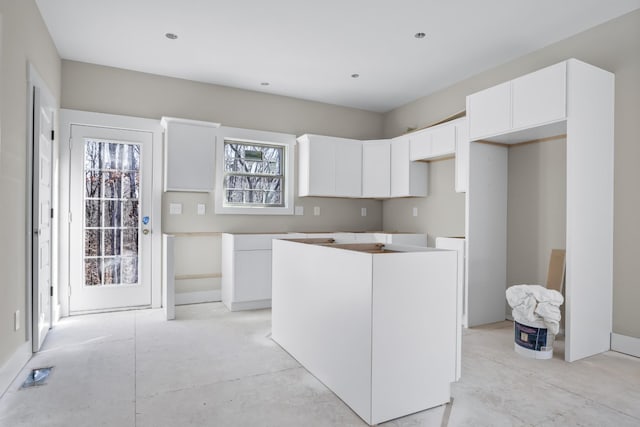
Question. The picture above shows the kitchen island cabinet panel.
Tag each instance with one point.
(378, 329)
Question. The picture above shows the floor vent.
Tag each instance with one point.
(37, 377)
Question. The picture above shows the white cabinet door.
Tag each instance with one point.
(252, 275)
(321, 167)
(348, 169)
(434, 142)
(189, 155)
(420, 145)
(400, 163)
(443, 140)
(462, 157)
(376, 168)
(329, 167)
(408, 179)
(489, 111)
(540, 97)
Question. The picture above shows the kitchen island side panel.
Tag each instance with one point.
(414, 332)
(321, 315)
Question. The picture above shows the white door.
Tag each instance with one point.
(110, 218)
(43, 110)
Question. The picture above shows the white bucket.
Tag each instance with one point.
(533, 340)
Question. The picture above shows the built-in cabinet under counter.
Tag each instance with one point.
(386, 347)
(246, 261)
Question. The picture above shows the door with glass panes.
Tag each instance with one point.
(110, 205)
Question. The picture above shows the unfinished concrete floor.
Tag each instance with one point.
(214, 368)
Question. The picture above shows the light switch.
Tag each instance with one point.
(202, 209)
(316, 210)
(415, 211)
(299, 210)
(175, 208)
(363, 211)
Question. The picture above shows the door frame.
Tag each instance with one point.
(86, 118)
(34, 81)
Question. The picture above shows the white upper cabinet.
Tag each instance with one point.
(407, 178)
(420, 144)
(376, 168)
(189, 155)
(540, 97)
(462, 156)
(348, 169)
(434, 142)
(443, 140)
(329, 166)
(489, 111)
(530, 101)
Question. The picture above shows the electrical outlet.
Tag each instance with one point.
(16, 320)
(363, 211)
(415, 211)
(316, 210)
(175, 208)
(202, 209)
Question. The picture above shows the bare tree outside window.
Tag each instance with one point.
(111, 212)
(253, 174)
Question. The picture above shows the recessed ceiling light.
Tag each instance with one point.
(171, 36)
(419, 35)
(265, 84)
(355, 75)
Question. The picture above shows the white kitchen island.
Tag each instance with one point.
(375, 323)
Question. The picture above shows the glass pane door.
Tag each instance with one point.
(111, 213)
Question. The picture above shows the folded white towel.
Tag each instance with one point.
(532, 303)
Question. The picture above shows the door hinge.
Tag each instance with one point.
(51, 289)
(69, 289)
(53, 134)
(70, 218)
(51, 212)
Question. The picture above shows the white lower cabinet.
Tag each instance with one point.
(246, 270)
(458, 244)
(337, 312)
(246, 262)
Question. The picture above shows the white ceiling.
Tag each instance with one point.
(309, 49)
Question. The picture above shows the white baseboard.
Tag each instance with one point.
(14, 365)
(625, 344)
(183, 298)
(249, 305)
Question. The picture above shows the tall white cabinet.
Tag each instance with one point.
(572, 98)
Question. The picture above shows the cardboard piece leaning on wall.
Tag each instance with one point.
(555, 275)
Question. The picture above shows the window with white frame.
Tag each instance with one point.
(254, 173)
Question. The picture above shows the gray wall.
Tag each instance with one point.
(24, 38)
(441, 213)
(110, 90)
(536, 216)
(613, 46)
